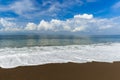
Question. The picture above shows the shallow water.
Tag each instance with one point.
(36, 50)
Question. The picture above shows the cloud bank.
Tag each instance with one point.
(79, 23)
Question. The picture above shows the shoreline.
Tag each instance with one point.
(64, 71)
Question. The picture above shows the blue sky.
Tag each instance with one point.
(74, 16)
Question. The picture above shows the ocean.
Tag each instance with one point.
(27, 50)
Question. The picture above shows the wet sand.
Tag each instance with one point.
(66, 71)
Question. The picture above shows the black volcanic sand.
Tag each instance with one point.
(65, 71)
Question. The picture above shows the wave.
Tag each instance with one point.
(26, 56)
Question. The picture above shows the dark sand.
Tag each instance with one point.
(66, 71)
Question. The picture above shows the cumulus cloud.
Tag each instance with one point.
(78, 23)
(7, 25)
(44, 25)
(86, 23)
(31, 26)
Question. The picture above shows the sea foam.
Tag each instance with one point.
(26, 56)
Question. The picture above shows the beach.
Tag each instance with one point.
(59, 40)
(64, 71)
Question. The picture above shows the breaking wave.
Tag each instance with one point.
(26, 56)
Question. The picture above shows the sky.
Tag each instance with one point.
(93, 17)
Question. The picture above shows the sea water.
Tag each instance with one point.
(26, 50)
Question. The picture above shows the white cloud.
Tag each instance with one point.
(20, 7)
(31, 26)
(105, 27)
(78, 29)
(44, 25)
(84, 16)
(79, 23)
(6, 23)
(31, 9)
